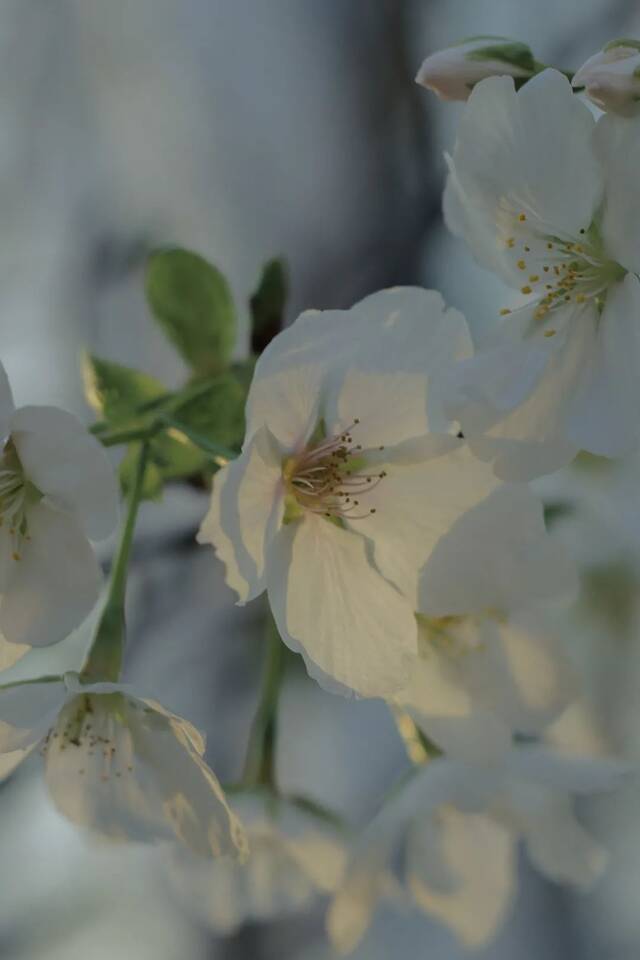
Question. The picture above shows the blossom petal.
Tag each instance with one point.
(560, 847)
(497, 556)
(246, 509)
(524, 431)
(603, 413)
(617, 144)
(68, 465)
(54, 585)
(10, 653)
(504, 164)
(27, 710)
(417, 503)
(138, 776)
(480, 856)
(287, 402)
(330, 602)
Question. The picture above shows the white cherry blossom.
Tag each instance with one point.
(294, 858)
(546, 197)
(119, 765)
(347, 482)
(491, 663)
(611, 77)
(455, 829)
(453, 72)
(57, 490)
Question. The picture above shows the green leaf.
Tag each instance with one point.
(216, 412)
(192, 302)
(152, 485)
(171, 457)
(268, 303)
(118, 393)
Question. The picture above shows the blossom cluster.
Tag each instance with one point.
(380, 499)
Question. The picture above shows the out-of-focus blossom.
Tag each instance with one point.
(547, 198)
(454, 829)
(295, 856)
(57, 490)
(490, 661)
(122, 766)
(611, 78)
(347, 482)
(452, 73)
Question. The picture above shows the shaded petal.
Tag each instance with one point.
(10, 653)
(54, 585)
(497, 556)
(480, 856)
(137, 774)
(287, 402)
(603, 413)
(68, 465)
(27, 711)
(512, 401)
(561, 848)
(504, 164)
(417, 503)
(331, 603)
(617, 144)
(246, 510)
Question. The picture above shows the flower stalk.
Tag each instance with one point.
(260, 759)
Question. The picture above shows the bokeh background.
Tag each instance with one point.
(245, 129)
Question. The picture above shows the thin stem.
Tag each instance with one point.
(259, 763)
(129, 435)
(105, 657)
(418, 746)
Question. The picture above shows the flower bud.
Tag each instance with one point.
(611, 78)
(452, 73)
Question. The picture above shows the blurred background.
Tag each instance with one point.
(245, 129)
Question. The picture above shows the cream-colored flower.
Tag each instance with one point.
(452, 73)
(611, 78)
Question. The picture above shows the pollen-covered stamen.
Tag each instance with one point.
(89, 725)
(330, 478)
(559, 270)
(13, 513)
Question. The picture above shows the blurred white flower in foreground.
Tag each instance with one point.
(347, 481)
(490, 663)
(452, 73)
(611, 78)
(122, 766)
(546, 197)
(56, 490)
(295, 856)
(454, 829)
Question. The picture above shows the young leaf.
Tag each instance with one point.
(192, 302)
(216, 412)
(267, 304)
(117, 393)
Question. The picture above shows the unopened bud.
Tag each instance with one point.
(611, 78)
(453, 73)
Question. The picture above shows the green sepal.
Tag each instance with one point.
(192, 302)
(267, 304)
(514, 53)
(622, 42)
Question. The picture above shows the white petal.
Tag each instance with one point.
(561, 848)
(246, 509)
(564, 770)
(54, 585)
(603, 416)
(27, 710)
(10, 653)
(137, 775)
(287, 402)
(497, 556)
(329, 600)
(6, 404)
(520, 424)
(480, 857)
(507, 156)
(68, 465)
(9, 762)
(617, 143)
(416, 505)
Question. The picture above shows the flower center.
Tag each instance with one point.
(330, 478)
(454, 635)
(559, 271)
(15, 495)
